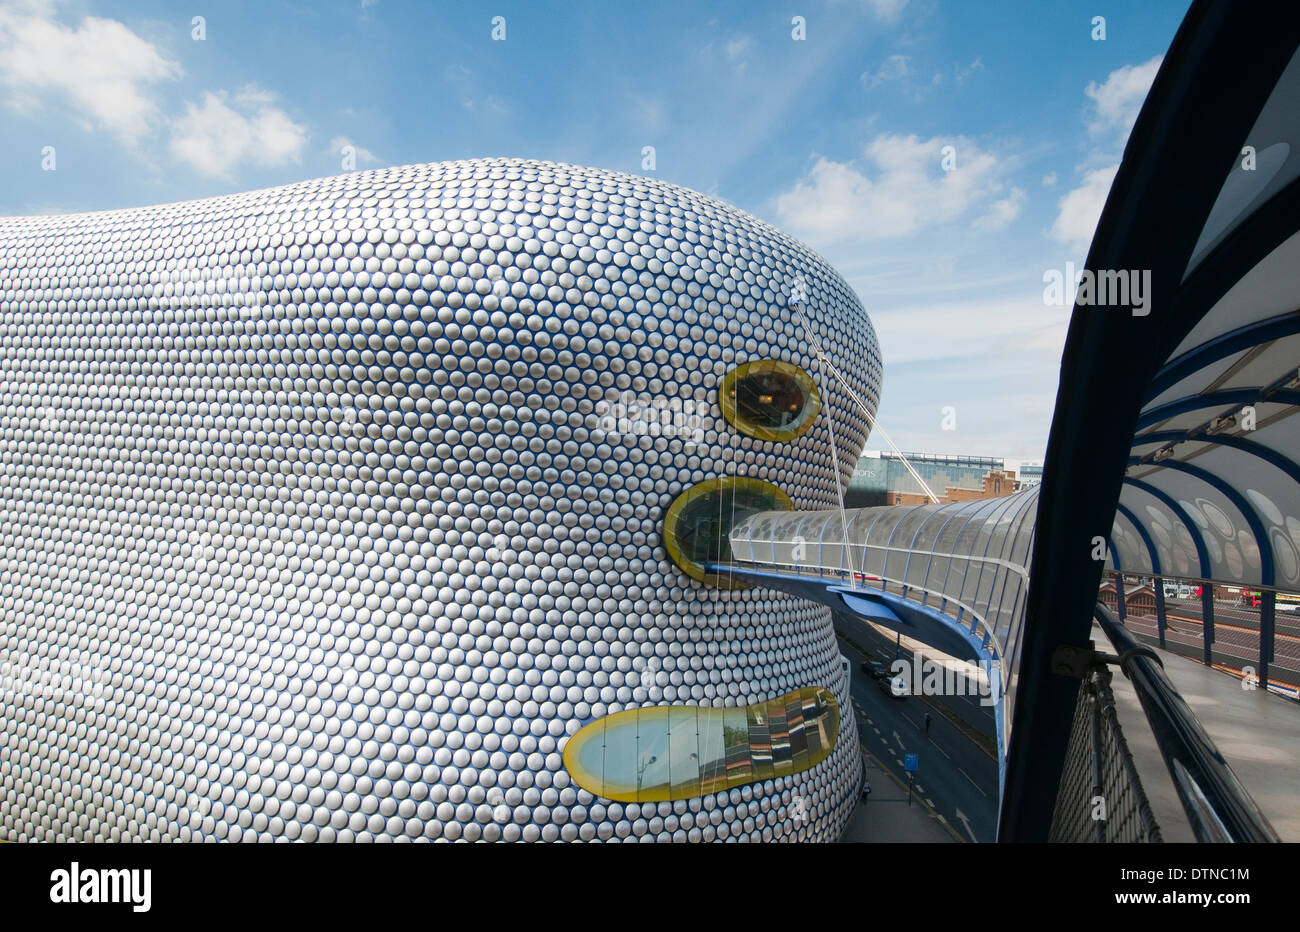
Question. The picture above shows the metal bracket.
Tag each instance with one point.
(1074, 661)
(1078, 662)
(1140, 651)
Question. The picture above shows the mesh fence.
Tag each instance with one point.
(1101, 797)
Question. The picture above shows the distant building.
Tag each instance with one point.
(1028, 472)
(1138, 599)
(882, 478)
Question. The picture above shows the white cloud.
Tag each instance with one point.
(468, 89)
(1115, 104)
(364, 155)
(904, 191)
(970, 328)
(1081, 208)
(891, 69)
(738, 46)
(887, 10)
(101, 69)
(961, 74)
(1001, 212)
(1117, 100)
(999, 325)
(737, 52)
(224, 131)
(1049, 179)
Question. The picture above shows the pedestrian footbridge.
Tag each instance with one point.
(953, 576)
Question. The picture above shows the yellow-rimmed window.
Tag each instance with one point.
(699, 522)
(676, 752)
(769, 399)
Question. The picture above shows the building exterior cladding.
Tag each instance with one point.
(313, 524)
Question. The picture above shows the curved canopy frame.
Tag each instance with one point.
(1187, 412)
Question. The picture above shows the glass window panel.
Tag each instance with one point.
(652, 761)
(778, 727)
(736, 735)
(820, 717)
(713, 751)
(794, 727)
(956, 578)
(983, 594)
(619, 772)
(935, 574)
(812, 733)
(587, 759)
(875, 561)
(684, 750)
(760, 742)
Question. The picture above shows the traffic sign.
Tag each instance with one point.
(911, 763)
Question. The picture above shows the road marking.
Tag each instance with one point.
(929, 802)
(900, 741)
(972, 782)
(909, 720)
(1222, 624)
(903, 786)
(966, 822)
(941, 750)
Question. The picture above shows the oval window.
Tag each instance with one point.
(769, 399)
(699, 522)
(676, 752)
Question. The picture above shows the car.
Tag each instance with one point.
(875, 668)
(893, 686)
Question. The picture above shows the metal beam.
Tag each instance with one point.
(1158, 588)
(1210, 352)
(1252, 447)
(1266, 566)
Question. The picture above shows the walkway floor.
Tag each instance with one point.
(886, 816)
(1257, 733)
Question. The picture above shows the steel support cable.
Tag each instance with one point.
(871, 421)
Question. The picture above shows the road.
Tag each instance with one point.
(957, 778)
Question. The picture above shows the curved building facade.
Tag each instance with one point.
(333, 511)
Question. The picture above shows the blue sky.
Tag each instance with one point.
(838, 138)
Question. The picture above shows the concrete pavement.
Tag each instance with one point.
(1257, 733)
